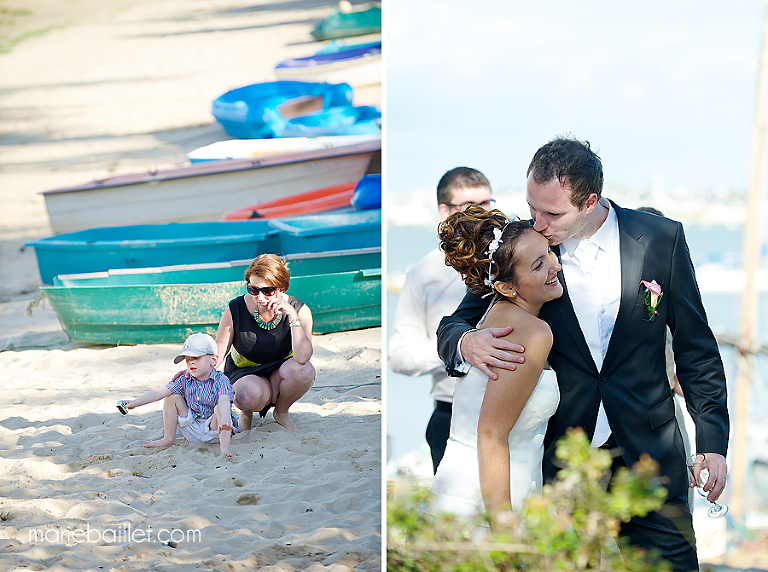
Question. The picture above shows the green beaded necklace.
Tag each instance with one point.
(271, 325)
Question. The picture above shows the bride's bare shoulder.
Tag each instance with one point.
(527, 330)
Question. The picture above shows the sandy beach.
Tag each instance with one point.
(94, 89)
(80, 491)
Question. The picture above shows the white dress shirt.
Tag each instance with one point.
(431, 290)
(592, 272)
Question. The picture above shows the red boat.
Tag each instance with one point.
(311, 202)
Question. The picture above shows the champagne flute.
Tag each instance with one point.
(717, 509)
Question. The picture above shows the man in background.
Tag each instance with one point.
(433, 290)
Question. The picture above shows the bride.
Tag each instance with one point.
(493, 457)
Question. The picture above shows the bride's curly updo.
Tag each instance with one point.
(465, 237)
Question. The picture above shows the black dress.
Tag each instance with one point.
(256, 351)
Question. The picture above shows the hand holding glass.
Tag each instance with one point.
(695, 464)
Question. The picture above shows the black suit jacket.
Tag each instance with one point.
(632, 382)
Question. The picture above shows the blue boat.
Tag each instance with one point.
(253, 111)
(367, 194)
(142, 246)
(341, 120)
(332, 54)
(358, 65)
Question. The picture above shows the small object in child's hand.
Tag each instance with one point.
(121, 407)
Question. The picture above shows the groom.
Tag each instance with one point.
(609, 338)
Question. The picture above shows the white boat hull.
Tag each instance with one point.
(247, 148)
(204, 191)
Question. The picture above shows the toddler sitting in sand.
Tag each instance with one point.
(199, 401)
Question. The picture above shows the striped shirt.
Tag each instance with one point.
(203, 396)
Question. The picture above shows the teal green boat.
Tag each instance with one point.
(166, 305)
(348, 24)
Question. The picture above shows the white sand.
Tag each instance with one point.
(71, 462)
(126, 86)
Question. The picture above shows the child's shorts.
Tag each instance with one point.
(197, 431)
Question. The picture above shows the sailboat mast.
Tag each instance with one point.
(749, 302)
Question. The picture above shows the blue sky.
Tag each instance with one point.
(664, 91)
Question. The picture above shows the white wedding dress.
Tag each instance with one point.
(456, 486)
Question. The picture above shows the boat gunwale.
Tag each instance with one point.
(144, 243)
(216, 265)
(365, 273)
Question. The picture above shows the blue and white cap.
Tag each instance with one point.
(197, 345)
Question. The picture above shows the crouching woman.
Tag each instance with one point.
(267, 338)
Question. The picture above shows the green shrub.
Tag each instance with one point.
(574, 525)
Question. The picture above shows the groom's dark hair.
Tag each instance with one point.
(573, 164)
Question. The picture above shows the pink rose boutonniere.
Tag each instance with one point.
(653, 296)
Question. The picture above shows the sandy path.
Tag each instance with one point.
(123, 88)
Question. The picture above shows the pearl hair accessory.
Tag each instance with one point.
(492, 248)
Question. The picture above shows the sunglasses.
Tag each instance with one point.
(267, 290)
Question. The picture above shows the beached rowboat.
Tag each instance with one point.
(293, 109)
(167, 305)
(256, 111)
(204, 191)
(348, 24)
(141, 246)
(358, 65)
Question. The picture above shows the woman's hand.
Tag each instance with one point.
(279, 304)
